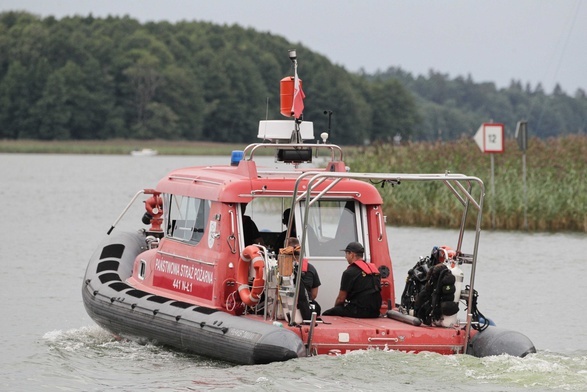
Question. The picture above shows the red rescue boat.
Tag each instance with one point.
(192, 280)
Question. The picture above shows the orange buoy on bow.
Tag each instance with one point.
(250, 296)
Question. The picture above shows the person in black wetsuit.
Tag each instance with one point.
(280, 242)
(250, 231)
(360, 287)
(310, 282)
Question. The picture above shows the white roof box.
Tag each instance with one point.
(279, 130)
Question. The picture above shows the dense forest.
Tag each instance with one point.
(451, 108)
(86, 78)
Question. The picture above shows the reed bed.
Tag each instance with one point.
(556, 197)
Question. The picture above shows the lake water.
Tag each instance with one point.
(56, 208)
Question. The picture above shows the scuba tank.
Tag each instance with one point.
(433, 288)
(448, 257)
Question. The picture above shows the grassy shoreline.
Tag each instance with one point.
(556, 197)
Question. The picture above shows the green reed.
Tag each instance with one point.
(556, 197)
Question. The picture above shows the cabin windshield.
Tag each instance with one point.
(186, 218)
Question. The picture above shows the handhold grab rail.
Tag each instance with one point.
(142, 191)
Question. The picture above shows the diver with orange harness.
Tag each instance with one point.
(360, 287)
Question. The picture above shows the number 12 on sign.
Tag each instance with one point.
(490, 138)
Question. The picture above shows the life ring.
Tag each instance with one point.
(250, 296)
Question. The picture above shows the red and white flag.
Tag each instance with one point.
(297, 106)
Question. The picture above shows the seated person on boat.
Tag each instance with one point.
(310, 280)
(279, 243)
(360, 287)
(251, 232)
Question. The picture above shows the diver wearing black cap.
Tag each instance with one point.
(360, 287)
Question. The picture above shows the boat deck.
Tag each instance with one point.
(338, 335)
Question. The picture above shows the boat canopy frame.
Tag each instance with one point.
(460, 185)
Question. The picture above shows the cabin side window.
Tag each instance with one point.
(188, 217)
(332, 225)
(267, 213)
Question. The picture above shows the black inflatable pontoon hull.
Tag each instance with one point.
(498, 341)
(138, 315)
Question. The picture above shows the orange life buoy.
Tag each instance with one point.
(250, 254)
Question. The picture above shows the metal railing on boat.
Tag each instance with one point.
(455, 183)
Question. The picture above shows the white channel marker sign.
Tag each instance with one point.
(490, 137)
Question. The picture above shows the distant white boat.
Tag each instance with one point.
(145, 152)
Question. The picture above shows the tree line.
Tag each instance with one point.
(451, 108)
(86, 78)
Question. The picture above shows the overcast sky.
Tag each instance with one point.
(493, 41)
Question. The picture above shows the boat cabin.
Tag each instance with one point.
(207, 211)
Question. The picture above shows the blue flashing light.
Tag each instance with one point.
(235, 157)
